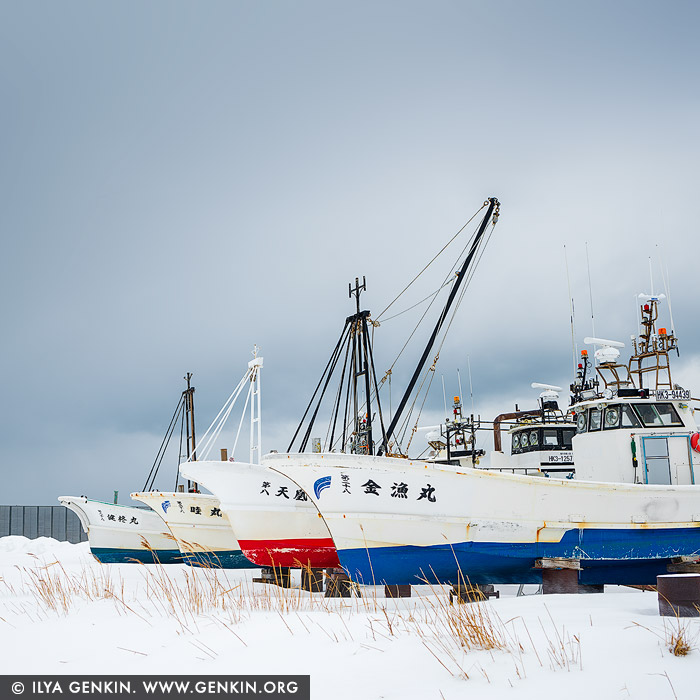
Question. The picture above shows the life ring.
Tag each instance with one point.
(695, 441)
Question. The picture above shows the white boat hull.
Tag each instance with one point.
(273, 521)
(201, 529)
(123, 534)
(402, 521)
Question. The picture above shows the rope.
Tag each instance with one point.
(218, 423)
(433, 260)
(418, 303)
(179, 451)
(404, 425)
(163, 446)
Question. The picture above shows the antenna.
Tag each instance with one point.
(444, 396)
(574, 349)
(471, 386)
(665, 278)
(590, 289)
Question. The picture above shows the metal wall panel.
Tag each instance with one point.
(41, 521)
(4, 521)
(16, 520)
(45, 520)
(31, 526)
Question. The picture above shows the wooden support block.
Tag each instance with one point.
(339, 585)
(397, 591)
(679, 595)
(275, 575)
(565, 581)
(684, 565)
(312, 580)
(556, 563)
(473, 593)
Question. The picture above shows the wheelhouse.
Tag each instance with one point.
(538, 438)
(651, 414)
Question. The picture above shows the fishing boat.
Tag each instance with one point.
(121, 534)
(274, 521)
(199, 527)
(198, 522)
(129, 534)
(632, 511)
(273, 518)
(540, 439)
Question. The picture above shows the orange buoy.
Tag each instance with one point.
(695, 441)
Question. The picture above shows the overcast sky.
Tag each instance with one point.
(181, 181)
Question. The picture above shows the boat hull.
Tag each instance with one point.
(399, 521)
(123, 534)
(201, 529)
(275, 523)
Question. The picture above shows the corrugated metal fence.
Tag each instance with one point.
(41, 521)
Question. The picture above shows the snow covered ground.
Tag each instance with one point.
(62, 612)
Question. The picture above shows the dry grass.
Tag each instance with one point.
(193, 596)
(676, 635)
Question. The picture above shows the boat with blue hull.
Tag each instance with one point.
(124, 534)
(395, 521)
(200, 528)
(613, 557)
(629, 512)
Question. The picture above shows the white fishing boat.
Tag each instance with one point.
(123, 534)
(540, 439)
(200, 528)
(199, 523)
(632, 510)
(273, 520)
(128, 534)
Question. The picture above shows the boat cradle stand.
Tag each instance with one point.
(472, 593)
(276, 575)
(312, 580)
(339, 584)
(397, 590)
(679, 594)
(561, 576)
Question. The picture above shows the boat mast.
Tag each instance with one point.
(192, 486)
(493, 204)
(255, 367)
(355, 346)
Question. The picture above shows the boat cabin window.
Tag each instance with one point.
(622, 416)
(595, 416)
(657, 414)
(611, 418)
(542, 439)
(629, 417)
(567, 436)
(619, 416)
(550, 438)
(581, 422)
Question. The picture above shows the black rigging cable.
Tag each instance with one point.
(453, 292)
(163, 445)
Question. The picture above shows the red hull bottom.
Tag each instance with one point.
(317, 553)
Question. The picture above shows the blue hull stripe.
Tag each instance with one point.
(607, 556)
(231, 559)
(112, 555)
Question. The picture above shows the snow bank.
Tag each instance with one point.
(610, 645)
